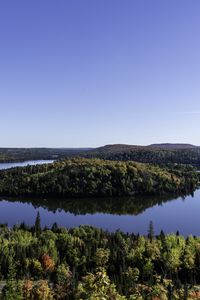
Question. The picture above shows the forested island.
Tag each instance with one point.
(81, 177)
(89, 263)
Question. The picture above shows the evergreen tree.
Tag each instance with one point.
(37, 226)
(151, 231)
(13, 288)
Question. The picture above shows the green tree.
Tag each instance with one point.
(151, 231)
(13, 288)
(101, 257)
(97, 286)
(37, 226)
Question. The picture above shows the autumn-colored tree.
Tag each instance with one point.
(47, 263)
(27, 289)
(42, 291)
(97, 286)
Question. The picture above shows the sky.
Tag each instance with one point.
(85, 73)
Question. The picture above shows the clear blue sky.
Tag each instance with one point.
(78, 73)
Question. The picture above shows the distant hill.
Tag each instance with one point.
(160, 154)
(172, 146)
(115, 148)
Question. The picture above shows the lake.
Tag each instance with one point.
(24, 163)
(127, 214)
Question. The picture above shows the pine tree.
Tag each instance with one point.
(38, 224)
(13, 288)
(151, 231)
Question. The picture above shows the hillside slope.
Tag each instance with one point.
(161, 154)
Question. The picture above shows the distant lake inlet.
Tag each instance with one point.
(4, 166)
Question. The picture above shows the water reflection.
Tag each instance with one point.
(126, 214)
(83, 206)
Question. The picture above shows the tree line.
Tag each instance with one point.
(26, 154)
(160, 156)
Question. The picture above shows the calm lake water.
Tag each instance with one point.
(24, 163)
(126, 214)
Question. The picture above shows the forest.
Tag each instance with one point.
(81, 177)
(156, 154)
(161, 154)
(26, 154)
(89, 263)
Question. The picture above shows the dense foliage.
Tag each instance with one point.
(94, 177)
(161, 155)
(26, 154)
(89, 263)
